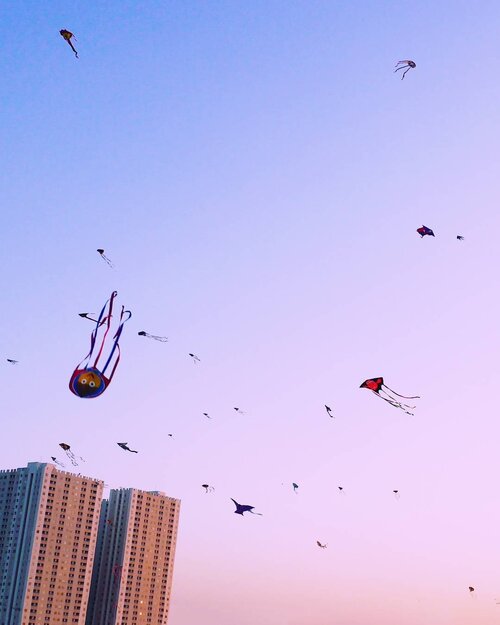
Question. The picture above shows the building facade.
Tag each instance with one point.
(48, 533)
(134, 560)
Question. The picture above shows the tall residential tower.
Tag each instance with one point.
(48, 532)
(134, 559)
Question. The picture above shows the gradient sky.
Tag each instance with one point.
(257, 172)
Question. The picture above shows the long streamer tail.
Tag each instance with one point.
(116, 347)
(107, 319)
(396, 404)
(403, 396)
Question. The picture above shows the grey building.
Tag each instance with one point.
(133, 569)
(48, 533)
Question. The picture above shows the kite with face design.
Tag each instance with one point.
(88, 381)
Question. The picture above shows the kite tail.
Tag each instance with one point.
(257, 513)
(72, 458)
(403, 396)
(93, 337)
(116, 346)
(107, 320)
(396, 404)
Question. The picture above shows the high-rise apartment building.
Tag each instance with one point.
(134, 559)
(48, 532)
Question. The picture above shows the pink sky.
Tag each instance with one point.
(257, 175)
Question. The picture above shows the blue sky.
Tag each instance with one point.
(256, 172)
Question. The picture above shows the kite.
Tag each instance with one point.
(105, 258)
(56, 461)
(12, 362)
(70, 454)
(471, 589)
(89, 382)
(341, 488)
(87, 316)
(240, 509)
(195, 358)
(405, 64)
(68, 36)
(459, 237)
(162, 339)
(239, 410)
(396, 494)
(320, 545)
(329, 411)
(205, 414)
(127, 448)
(377, 386)
(423, 231)
(109, 522)
(295, 487)
(208, 488)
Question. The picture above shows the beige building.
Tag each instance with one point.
(134, 559)
(48, 533)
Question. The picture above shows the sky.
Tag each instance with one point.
(256, 172)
